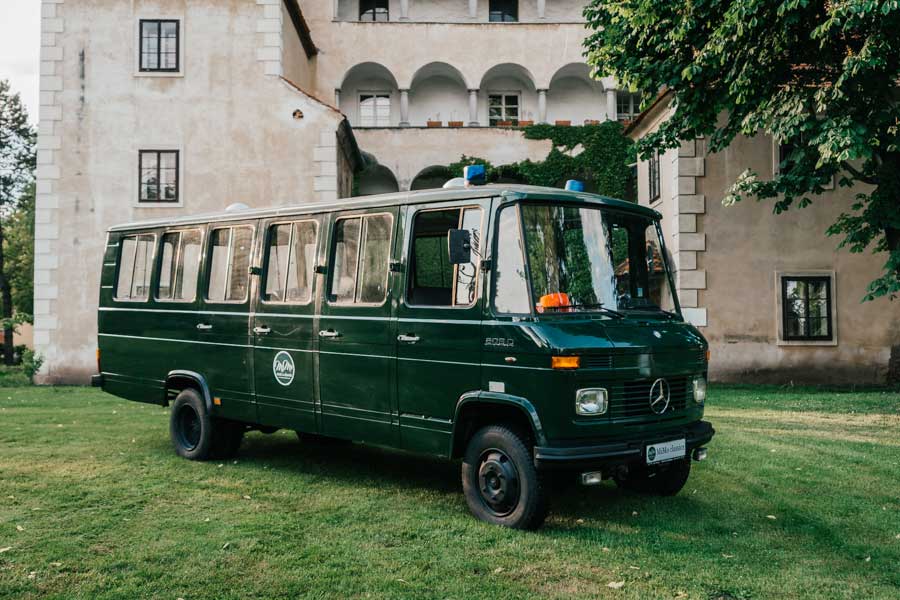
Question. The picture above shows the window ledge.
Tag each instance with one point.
(159, 73)
(806, 343)
(178, 204)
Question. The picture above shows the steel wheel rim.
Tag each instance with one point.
(498, 482)
(188, 427)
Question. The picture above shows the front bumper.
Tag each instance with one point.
(620, 452)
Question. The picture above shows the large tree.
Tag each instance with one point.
(819, 76)
(17, 162)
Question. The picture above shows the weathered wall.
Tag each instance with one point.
(232, 124)
(748, 245)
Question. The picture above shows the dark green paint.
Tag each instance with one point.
(367, 385)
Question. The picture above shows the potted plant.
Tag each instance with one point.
(435, 123)
(454, 123)
(504, 123)
(563, 123)
(526, 123)
(591, 122)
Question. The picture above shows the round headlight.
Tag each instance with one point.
(699, 390)
(591, 401)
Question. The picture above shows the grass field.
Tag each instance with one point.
(798, 499)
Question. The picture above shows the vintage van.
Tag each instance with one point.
(520, 329)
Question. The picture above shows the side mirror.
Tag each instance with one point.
(460, 246)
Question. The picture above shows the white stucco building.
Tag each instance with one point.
(163, 107)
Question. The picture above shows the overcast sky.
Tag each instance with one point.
(20, 43)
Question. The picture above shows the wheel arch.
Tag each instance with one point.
(479, 408)
(178, 380)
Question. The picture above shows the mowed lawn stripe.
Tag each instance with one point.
(107, 510)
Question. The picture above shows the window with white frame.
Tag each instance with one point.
(375, 109)
(504, 108)
(627, 105)
(158, 176)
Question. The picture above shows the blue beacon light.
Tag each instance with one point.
(573, 185)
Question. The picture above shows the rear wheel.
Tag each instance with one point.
(190, 426)
(665, 480)
(500, 481)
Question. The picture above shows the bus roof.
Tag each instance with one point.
(506, 191)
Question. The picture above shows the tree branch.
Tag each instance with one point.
(858, 174)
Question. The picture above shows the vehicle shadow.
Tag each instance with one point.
(384, 468)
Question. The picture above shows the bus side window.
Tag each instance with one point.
(362, 250)
(290, 262)
(179, 265)
(135, 267)
(229, 263)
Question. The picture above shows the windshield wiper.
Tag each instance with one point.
(600, 307)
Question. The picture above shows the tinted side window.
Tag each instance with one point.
(290, 262)
(179, 265)
(229, 263)
(510, 287)
(362, 249)
(135, 265)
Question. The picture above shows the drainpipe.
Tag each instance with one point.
(473, 108)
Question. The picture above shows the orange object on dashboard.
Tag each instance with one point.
(554, 300)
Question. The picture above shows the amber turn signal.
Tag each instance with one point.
(566, 362)
(99, 370)
(707, 356)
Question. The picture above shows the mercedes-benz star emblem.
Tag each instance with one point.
(659, 396)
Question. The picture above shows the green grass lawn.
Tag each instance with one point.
(798, 499)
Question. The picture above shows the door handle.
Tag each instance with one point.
(329, 333)
(409, 339)
(204, 326)
(262, 329)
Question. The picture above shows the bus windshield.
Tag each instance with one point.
(579, 259)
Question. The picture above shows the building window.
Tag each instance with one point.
(159, 45)
(806, 305)
(375, 109)
(503, 109)
(653, 176)
(362, 250)
(373, 10)
(627, 105)
(135, 266)
(158, 176)
(503, 11)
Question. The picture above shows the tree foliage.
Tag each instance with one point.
(821, 77)
(17, 163)
(599, 155)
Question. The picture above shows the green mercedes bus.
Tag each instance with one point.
(523, 330)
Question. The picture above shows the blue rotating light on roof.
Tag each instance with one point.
(573, 185)
(475, 175)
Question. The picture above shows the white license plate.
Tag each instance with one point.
(665, 451)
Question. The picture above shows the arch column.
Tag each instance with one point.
(542, 105)
(337, 98)
(404, 108)
(611, 109)
(473, 108)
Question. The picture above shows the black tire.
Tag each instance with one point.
(500, 481)
(190, 426)
(227, 438)
(665, 480)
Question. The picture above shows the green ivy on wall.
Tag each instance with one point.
(599, 155)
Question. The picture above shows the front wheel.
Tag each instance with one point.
(665, 480)
(500, 481)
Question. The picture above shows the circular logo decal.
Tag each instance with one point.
(651, 453)
(659, 396)
(283, 368)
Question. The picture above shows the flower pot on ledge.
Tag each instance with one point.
(591, 122)
(563, 123)
(454, 123)
(504, 123)
(526, 123)
(435, 123)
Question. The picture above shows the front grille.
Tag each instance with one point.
(632, 398)
(597, 361)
